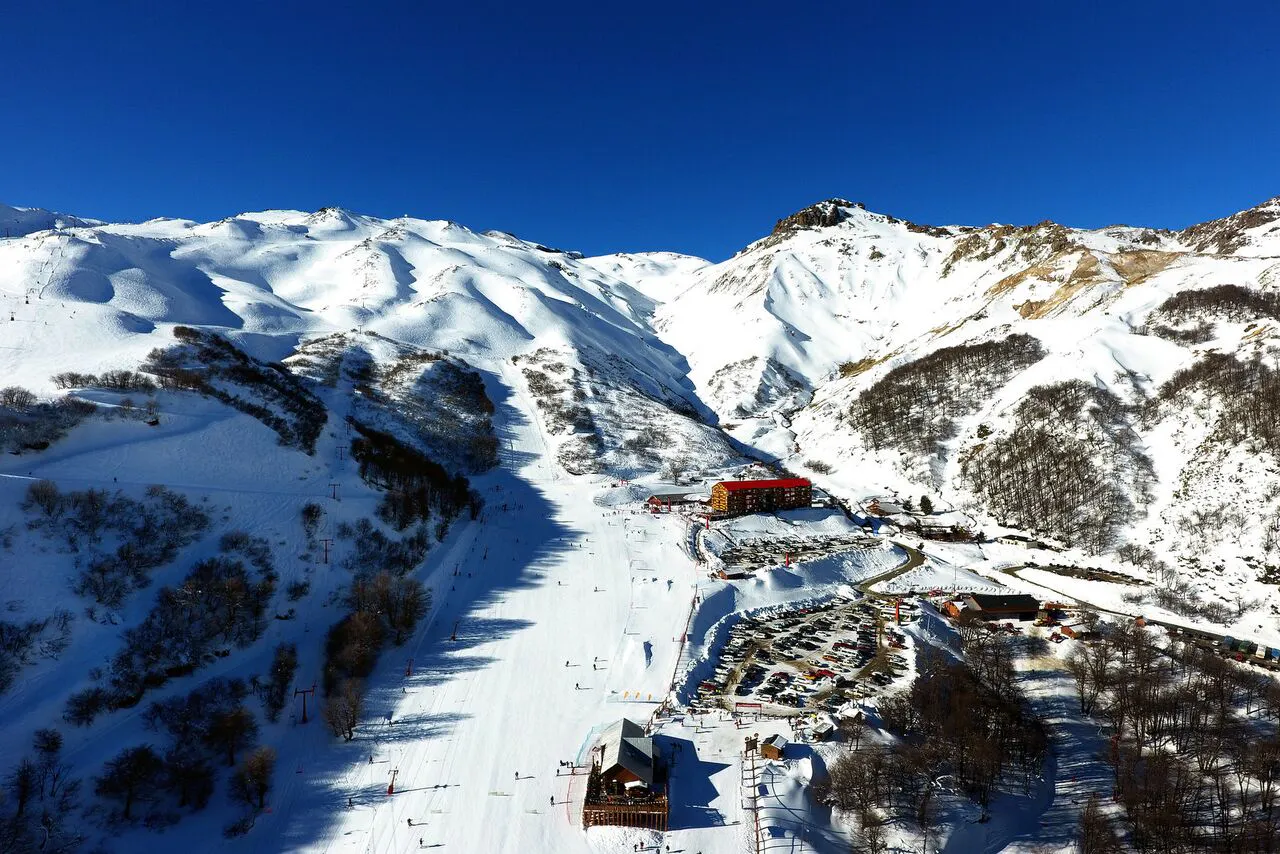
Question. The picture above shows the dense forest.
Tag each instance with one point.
(915, 407)
(1069, 466)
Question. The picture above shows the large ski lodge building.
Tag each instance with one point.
(758, 496)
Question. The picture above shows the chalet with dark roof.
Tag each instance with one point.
(1017, 606)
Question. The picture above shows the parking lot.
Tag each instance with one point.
(808, 659)
(764, 552)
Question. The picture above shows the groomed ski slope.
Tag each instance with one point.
(552, 578)
(477, 732)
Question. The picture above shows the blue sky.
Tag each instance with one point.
(610, 127)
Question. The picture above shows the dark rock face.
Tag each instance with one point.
(822, 215)
(1227, 235)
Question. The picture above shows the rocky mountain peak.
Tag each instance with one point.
(822, 215)
(1229, 234)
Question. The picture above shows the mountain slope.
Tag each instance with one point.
(798, 334)
(327, 399)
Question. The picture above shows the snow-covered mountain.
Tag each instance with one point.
(778, 343)
(1114, 389)
(635, 354)
(16, 222)
(96, 298)
(809, 343)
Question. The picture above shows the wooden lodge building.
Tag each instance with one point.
(1018, 606)
(626, 785)
(736, 497)
(664, 501)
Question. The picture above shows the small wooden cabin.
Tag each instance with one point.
(773, 747)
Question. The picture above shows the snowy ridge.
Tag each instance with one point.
(564, 607)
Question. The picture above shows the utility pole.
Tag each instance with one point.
(453, 636)
(391, 787)
(304, 692)
(328, 542)
(333, 492)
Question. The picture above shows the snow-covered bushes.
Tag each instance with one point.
(29, 425)
(212, 365)
(44, 798)
(207, 727)
(148, 533)
(373, 551)
(444, 404)
(220, 604)
(22, 643)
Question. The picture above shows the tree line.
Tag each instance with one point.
(416, 485)
(385, 604)
(1242, 396)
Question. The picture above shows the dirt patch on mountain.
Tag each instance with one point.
(1135, 266)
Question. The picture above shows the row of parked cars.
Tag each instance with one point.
(1242, 650)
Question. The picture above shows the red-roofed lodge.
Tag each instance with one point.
(758, 496)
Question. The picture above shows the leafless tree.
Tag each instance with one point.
(343, 707)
